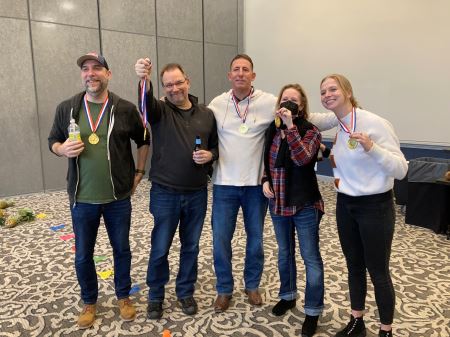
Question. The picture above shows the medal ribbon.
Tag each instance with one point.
(236, 106)
(352, 123)
(100, 115)
(143, 105)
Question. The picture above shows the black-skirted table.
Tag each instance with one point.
(428, 205)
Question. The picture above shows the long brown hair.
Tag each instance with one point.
(304, 111)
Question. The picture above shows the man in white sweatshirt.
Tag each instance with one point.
(242, 115)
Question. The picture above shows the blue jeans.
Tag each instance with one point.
(168, 209)
(226, 203)
(306, 223)
(86, 220)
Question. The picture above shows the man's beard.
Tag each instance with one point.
(97, 91)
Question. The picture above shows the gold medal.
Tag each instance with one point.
(277, 121)
(93, 138)
(243, 128)
(352, 143)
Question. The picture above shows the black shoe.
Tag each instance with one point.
(384, 333)
(282, 306)
(188, 305)
(354, 328)
(154, 310)
(309, 326)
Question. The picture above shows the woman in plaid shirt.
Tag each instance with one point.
(295, 203)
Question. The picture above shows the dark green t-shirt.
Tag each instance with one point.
(95, 179)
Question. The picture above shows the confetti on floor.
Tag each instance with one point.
(104, 275)
(100, 258)
(67, 237)
(57, 228)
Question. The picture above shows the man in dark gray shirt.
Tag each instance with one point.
(179, 176)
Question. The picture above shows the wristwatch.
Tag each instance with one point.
(139, 171)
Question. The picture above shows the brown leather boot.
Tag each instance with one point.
(87, 316)
(127, 311)
(254, 298)
(222, 303)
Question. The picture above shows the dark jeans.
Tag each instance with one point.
(366, 228)
(86, 220)
(226, 203)
(170, 208)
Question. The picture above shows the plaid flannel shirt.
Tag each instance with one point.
(302, 152)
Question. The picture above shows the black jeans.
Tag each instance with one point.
(366, 228)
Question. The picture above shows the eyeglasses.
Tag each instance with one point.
(171, 85)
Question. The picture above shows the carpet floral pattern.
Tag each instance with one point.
(40, 295)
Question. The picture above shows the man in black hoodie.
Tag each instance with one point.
(184, 135)
(101, 177)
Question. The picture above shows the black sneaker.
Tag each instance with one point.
(309, 326)
(282, 306)
(154, 310)
(354, 328)
(384, 333)
(188, 305)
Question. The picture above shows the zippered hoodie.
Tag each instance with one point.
(124, 123)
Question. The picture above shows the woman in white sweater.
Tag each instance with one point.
(366, 158)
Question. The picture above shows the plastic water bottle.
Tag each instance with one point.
(74, 131)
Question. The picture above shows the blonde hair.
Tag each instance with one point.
(345, 86)
(304, 111)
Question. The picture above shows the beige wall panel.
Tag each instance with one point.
(134, 16)
(221, 21)
(20, 158)
(217, 65)
(14, 8)
(121, 60)
(71, 12)
(190, 55)
(180, 19)
(56, 50)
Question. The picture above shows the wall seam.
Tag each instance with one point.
(99, 28)
(237, 27)
(12, 17)
(36, 95)
(157, 49)
(203, 45)
(58, 23)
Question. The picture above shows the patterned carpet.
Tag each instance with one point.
(39, 292)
